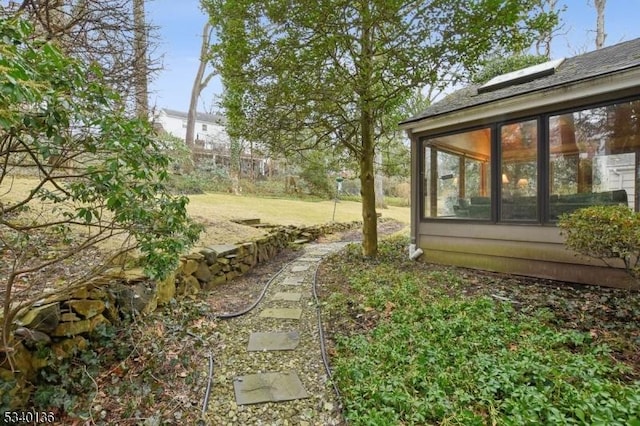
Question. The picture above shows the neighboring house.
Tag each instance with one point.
(209, 129)
(212, 142)
(494, 166)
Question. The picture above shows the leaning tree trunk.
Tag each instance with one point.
(369, 218)
(199, 83)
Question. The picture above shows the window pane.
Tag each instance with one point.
(457, 176)
(593, 157)
(519, 171)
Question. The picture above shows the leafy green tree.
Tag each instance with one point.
(315, 171)
(335, 68)
(97, 179)
(231, 30)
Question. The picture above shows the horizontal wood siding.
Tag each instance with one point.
(536, 251)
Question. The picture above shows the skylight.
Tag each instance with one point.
(521, 76)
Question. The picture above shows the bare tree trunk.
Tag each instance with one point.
(141, 67)
(235, 166)
(369, 218)
(199, 83)
(600, 34)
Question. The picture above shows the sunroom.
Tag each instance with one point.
(494, 166)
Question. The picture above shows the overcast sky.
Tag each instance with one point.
(180, 26)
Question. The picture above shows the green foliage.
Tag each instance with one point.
(177, 151)
(95, 167)
(63, 381)
(502, 65)
(205, 178)
(435, 359)
(306, 74)
(315, 172)
(605, 232)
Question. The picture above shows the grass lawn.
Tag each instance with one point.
(283, 211)
(216, 210)
(417, 344)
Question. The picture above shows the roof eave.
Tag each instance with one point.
(586, 88)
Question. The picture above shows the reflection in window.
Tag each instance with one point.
(457, 176)
(593, 157)
(519, 171)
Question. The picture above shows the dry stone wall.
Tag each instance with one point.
(63, 322)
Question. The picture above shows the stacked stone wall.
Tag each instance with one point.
(64, 322)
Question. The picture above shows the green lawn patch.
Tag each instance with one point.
(416, 350)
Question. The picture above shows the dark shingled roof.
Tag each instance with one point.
(600, 62)
(201, 116)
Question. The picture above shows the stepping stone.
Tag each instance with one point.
(300, 268)
(273, 341)
(289, 297)
(268, 387)
(293, 281)
(309, 259)
(282, 313)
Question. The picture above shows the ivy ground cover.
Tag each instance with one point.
(416, 344)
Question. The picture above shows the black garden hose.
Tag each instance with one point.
(323, 348)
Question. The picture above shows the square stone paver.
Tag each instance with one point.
(282, 313)
(268, 387)
(289, 297)
(293, 281)
(300, 268)
(273, 341)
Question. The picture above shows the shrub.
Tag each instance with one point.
(100, 182)
(605, 232)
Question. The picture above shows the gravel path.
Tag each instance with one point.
(233, 360)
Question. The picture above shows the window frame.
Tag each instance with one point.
(539, 219)
(423, 146)
(582, 107)
(543, 163)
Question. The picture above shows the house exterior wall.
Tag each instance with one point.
(531, 249)
(215, 134)
(536, 251)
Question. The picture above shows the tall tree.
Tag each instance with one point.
(140, 65)
(230, 21)
(336, 68)
(600, 34)
(199, 83)
(97, 31)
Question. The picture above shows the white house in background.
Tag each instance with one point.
(212, 142)
(210, 129)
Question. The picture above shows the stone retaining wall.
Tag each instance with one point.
(63, 322)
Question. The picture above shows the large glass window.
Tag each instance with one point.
(593, 157)
(457, 174)
(519, 170)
